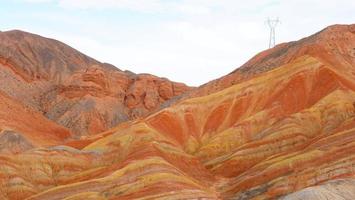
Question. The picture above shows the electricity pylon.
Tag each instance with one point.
(272, 23)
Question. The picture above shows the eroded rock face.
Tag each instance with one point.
(13, 142)
(73, 89)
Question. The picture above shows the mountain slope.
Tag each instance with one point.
(266, 151)
(20, 121)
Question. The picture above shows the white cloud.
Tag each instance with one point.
(136, 5)
(206, 39)
(38, 1)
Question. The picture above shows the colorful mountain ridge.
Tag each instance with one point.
(282, 126)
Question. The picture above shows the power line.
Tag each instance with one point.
(272, 23)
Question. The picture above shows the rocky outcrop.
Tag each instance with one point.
(12, 142)
(343, 189)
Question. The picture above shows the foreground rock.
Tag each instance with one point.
(343, 189)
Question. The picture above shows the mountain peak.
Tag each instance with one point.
(61, 82)
(332, 39)
(341, 28)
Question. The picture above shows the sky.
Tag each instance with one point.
(190, 41)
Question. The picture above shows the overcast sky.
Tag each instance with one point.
(191, 41)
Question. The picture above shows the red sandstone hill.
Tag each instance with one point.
(74, 90)
(280, 127)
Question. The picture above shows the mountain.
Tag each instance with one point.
(333, 46)
(282, 126)
(74, 90)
